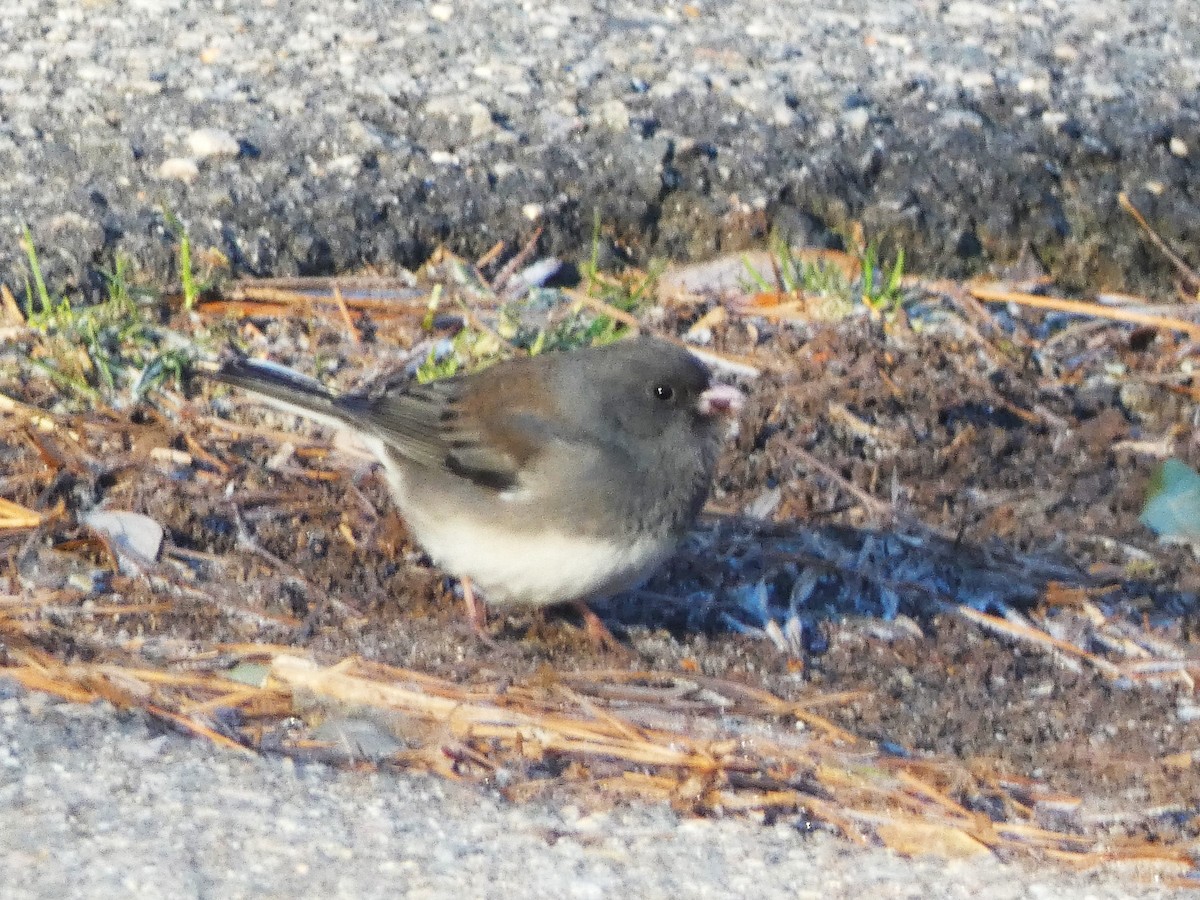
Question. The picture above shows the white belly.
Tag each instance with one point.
(541, 568)
(530, 566)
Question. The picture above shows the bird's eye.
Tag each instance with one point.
(664, 392)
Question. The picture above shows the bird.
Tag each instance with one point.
(560, 478)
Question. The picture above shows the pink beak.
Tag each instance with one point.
(721, 399)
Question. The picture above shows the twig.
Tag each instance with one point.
(498, 283)
(198, 729)
(607, 309)
(490, 257)
(1189, 274)
(876, 507)
(341, 305)
(996, 294)
(1033, 635)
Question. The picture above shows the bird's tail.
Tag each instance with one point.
(284, 389)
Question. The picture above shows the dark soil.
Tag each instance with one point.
(999, 458)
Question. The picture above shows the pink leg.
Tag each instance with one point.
(598, 632)
(476, 611)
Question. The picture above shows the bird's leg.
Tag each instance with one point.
(597, 631)
(476, 611)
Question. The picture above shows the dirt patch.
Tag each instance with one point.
(884, 473)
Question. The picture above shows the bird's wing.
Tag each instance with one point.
(480, 427)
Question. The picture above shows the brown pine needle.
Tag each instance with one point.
(35, 680)
(997, 294)
(1035, 636)
(1189, 274)
(14, 516)
(513, 265)
(490, 257)
(351, 329)
(595, 304)
(244, 309)
(10, 311)
(198, 729)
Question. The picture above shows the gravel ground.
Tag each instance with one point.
(157, 815)
(307, 137)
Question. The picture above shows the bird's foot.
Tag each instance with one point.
(476, 613)
(598, 633)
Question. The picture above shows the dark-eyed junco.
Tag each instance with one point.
(560, 478)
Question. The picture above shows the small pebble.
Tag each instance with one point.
(207, 142)
(857, 119)
(614, 115)
(179, 169)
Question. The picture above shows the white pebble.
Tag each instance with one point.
(206, 142)
(1052, 120)
(1035, 84)
(1102, 90)
(1178, 147)
(977, 79)
(856, 119)
(614, 115)
(961, 118)
(360, 37)
(179, 168)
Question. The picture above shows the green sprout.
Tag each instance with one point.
(886, 297)
(39, 282)
(187, 275)
(96, 351)
(819, 280)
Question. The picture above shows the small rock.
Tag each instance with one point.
(857, 119)
(95, 74)
(1102, 90)
(179, 168)
(360, 37)
(147, 86)
(976, 80)
(613, 114)
(1177, 147)
(1035, 84)
(206, 142)
(1053, 120)
(961, 118)
(358, 738)
(347, 164)
(969, 13)
(482, 123)
(443, 12)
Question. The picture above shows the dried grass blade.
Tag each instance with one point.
(997, 294)
(13, 516)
